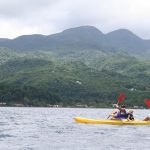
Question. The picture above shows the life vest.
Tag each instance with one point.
(122, 115)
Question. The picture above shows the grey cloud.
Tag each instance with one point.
(20, 8)
(50, 16)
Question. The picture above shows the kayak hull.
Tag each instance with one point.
(111, 122)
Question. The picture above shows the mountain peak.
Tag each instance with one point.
(126, 40)
(123, 33)
(83, 29)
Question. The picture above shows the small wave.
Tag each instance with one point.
(5, 135)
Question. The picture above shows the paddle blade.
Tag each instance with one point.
(147, 102)
(121, 97)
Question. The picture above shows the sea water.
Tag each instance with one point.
(55, 129)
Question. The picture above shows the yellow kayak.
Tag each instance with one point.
(112, 122)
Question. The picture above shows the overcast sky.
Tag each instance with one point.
(19, 17)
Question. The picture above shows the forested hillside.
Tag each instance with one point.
(76, 67)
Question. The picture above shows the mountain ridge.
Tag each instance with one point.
(79, 38)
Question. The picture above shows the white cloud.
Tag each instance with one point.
(19, 17)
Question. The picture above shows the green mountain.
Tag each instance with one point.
(81, 38)
(40, 81)
(77, 66)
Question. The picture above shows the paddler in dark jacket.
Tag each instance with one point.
(120, 113)
(130, 115)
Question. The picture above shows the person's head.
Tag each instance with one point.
(123, 106)
(130, 111)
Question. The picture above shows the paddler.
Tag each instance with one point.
(130, 115)
(147, 119)
(121, 113)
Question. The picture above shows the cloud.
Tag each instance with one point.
(19, 17)
(16, 8)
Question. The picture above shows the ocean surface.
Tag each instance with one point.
(55, 129)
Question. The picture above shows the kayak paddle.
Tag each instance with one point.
(120, 99)
(147, 102)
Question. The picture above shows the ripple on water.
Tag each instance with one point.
(5, 136)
